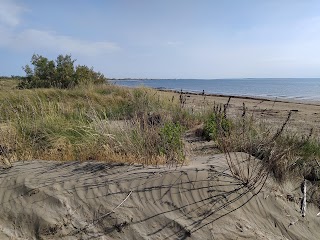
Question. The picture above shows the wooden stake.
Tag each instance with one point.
(304, 199)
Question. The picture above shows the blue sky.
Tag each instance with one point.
(166, 38)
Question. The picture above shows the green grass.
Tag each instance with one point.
(92, 122)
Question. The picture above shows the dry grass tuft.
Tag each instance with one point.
(95, 122)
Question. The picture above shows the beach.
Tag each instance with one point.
(305, 114)
(159, 120)
(201, 199)
(90, 200)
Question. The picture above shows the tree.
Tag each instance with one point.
(60, 73)
(65, 74)
(86, 75)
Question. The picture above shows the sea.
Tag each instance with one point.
(297, 89)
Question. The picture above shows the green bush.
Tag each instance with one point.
(310, 150)
(171, 142)
(60, 73)
(214, 125)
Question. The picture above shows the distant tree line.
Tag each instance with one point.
(61, 73)
(13, 77)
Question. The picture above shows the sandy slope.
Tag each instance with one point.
(50, 200)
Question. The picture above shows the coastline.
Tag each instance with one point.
(305, 115)
(127, 200)
(298, 90)
(283, 100)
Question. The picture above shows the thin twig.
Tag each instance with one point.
(112, 211)
(282, 127)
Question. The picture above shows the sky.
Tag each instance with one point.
(166, 38)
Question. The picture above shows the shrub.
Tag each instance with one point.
(86, 75)
(171, 142)
(310, 150)
(214, 125)
(283, 153)
(60, 73)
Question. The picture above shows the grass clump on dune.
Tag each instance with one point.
(88, 122)
(283, 153)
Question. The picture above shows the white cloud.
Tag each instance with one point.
(10, 12)
(36, 40)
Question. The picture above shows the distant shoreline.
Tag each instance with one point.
(303, 102)
(285, 90)
(262, 78)
(283, 100)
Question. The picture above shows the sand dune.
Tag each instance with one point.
(90, 200)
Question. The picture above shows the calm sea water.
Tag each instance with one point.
(303, 89)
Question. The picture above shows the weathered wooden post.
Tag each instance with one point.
(304, 199)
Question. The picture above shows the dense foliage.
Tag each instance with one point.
(61, 73)
(215, 125)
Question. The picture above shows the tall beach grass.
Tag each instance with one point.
(95, 122)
